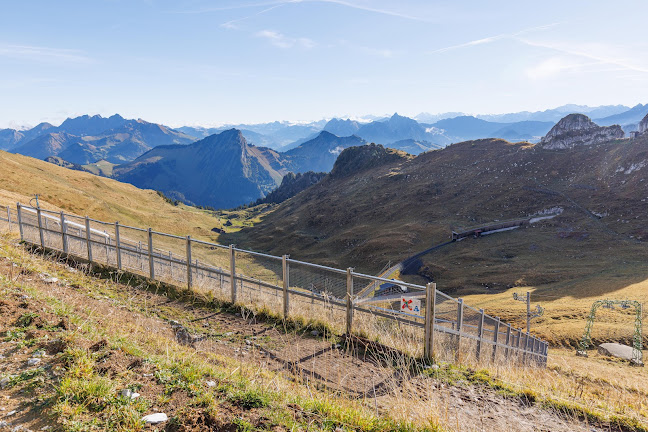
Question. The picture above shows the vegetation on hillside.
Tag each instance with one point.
(594, 249)
(90, 358)
(100, 198)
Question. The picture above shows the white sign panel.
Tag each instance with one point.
(410, 305)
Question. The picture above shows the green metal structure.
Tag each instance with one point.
(586, 341)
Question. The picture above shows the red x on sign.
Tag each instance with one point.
(407, 304)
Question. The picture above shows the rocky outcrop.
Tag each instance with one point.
(578, 130)
(643, 125)
(356, 159)
(291, 185)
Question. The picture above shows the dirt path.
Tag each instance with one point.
(316, 362)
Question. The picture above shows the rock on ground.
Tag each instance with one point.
(155, 418)
(616, 350)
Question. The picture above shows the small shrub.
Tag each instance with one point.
(26, 319)
(94, 393)
(248, 399)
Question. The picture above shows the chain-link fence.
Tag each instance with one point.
(8, 219)
(410, 318)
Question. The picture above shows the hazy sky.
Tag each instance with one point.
(230, 61)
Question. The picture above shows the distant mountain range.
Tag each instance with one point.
(398, 128)
(341, 127)
(431, 128)
(550, 115)
(555, 114)
(466, 128)
(630, 118)
(275, 135)
(85, 139)
(10, 138)
(227, 168)
(319, 154)
(224, 170)
(95, 125)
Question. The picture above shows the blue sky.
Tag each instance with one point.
(214, 62)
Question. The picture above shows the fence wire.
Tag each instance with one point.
(324, 282)
(390, 311)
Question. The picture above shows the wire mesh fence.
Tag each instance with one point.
(418, 320)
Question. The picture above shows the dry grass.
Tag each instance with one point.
(597, 384)
(565, 282)
(579, 272)
(570, 388)
(99, 197)
(279, 402)
(392, 212)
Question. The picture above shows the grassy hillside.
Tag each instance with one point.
(103, 168)
(92, 339)
(237, 369)
(596, 248)
(98, 197)
(367, 214)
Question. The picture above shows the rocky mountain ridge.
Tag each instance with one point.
(224, 170)
(290, 186)
(372, 213)
(124, 143)
(88, 139)
(579, 130)
(643, 125)
(319, 154)
(342, 127)
(220, 171)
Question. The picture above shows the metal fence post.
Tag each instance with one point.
(517, 342)
(495, 338)
(545, 353)
(233, 273)
(9, 217)
(507, 351)
(88, 241)
(430, 309)
(189, 275)
(349, 302)
(20, 227)
(480, 334)
(40, 228)
(118, 246)
(150, 254)
(526, 348)
(459, 327)
(286, 284)
(63, 235)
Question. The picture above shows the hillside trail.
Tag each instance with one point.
(313, 361)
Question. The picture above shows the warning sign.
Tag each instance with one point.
(410, 305)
